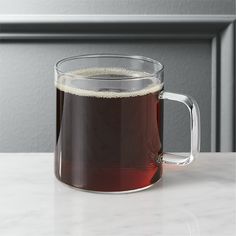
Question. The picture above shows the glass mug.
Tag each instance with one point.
(109, 131)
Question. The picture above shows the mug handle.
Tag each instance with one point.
(194, 113)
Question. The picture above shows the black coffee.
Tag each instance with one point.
(108, 143)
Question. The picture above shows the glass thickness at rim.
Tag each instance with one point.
(157, 66)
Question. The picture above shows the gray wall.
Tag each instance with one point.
(27, 101)
(117, 7)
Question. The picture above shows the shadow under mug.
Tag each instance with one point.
(109, 134)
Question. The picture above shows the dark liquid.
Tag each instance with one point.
(108, 144)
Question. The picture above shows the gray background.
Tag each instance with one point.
(117, 7)
(27, 101)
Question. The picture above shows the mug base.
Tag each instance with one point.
(109, 192)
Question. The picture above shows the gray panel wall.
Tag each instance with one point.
(117, 7)
(28, 94)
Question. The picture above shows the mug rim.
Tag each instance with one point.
(111, 55)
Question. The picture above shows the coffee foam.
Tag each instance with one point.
(62, 82)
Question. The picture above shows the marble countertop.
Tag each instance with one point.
(199, 199)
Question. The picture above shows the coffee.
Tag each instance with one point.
(108, 140)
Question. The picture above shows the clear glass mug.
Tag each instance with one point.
(109, 134)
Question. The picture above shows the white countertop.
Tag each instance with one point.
(199, 199)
